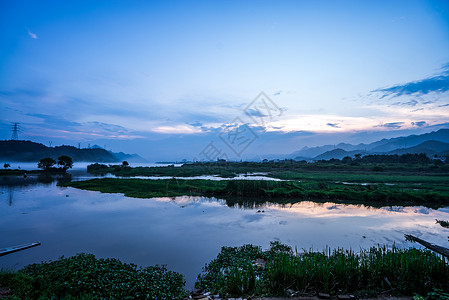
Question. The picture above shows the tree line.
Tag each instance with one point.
(64, 162)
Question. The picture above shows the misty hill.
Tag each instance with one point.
(135, 158)
(431, 148)
(32, 152)
(338, 154)
(124, 156)
(387, 145)
(430, 143)
(308, 152)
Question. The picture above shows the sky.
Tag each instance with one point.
(174, 80)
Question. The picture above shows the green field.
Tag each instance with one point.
(355, 171)
(403, 193)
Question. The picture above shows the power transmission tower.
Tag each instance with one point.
(15, 131)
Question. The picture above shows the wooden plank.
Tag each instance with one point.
(13, 249)
(438, 249)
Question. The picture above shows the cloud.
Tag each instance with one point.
(196, 124)
(411, 103)
(27, 92)
(438, 83)
(394, 125)
(178, 129)
(334, 125)
(255, 113)
(32, 35)
(419, 123)
(52, 126)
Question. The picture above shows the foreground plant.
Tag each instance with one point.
(379, 269)
(84, 276)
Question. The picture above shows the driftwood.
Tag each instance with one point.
(438, 249)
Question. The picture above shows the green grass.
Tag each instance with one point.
(85, 277)
(273, 191)
(372, 271)
(442, 179)
(287, 169)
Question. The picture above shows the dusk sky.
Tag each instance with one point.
(165, 79)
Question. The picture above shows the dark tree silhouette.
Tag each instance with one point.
(65, 162)
(46, 163)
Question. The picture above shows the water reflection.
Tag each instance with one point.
(10, 184)
(251, 176)
(10, 195)
(23, 181)
(186, 232)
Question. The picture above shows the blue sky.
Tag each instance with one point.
(163, 79)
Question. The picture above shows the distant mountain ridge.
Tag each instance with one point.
(433, 143)
(338, 154)
(121, 156)
(431, 148)
(27, 151)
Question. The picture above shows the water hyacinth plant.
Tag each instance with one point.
(85, 277)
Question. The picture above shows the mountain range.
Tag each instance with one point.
(27, 151)
(433, 143)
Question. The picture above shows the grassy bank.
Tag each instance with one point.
(289, 191)
(235, 272)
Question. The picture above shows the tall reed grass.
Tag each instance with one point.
(375, 270)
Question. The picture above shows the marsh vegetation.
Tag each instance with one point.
(274, 191)
(240, 271)
(236, 271)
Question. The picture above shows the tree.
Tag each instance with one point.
(65, 162)
(6, 165)
(125, 163)
(346, 160)
(46, 163)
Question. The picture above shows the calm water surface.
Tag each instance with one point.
(186, 232)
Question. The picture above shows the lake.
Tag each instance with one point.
(185, 233)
